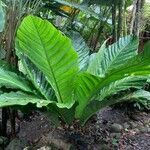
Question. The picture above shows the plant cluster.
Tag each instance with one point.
(67, 81)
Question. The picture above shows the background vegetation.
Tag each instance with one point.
(108, 69)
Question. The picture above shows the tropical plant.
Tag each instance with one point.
(54, 76)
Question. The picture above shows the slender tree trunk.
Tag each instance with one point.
(114, 32)
(136, 17)
(125, 32)
(120, 19)
(133, 16)
(10, 58)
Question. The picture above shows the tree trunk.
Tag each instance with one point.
(10, 58)
(136, 17)
(125, 31)
(114, 32)
(120, 19)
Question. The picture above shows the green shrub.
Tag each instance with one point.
(56, 77)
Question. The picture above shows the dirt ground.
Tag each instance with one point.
(110, 129)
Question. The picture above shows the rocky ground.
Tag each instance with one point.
(111, 129)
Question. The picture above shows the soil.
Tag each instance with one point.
(98, 134)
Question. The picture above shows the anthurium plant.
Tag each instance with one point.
(61, 76)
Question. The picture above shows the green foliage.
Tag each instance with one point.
(62, 83)
(113, 56)
(10, 79)
(19, 98)
(38, 79)
(53, 55)
(120, 85)
(141, 97)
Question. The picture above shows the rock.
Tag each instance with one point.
(27, 148)
(50, 139)
(45, 148)
(116, 128)
(17, 144)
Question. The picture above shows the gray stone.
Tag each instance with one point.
(116, 128)
(27, 148)
(17, 144)
(45, 148)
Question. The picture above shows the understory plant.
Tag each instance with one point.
(62, 77)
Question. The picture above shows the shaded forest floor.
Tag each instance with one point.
(111, 129)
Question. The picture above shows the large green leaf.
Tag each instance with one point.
(133, 68)
(120, 85)
(113, 56)
(12, 80)
(20, 98)
(88, 86)
(139, 66)
(52, 53)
